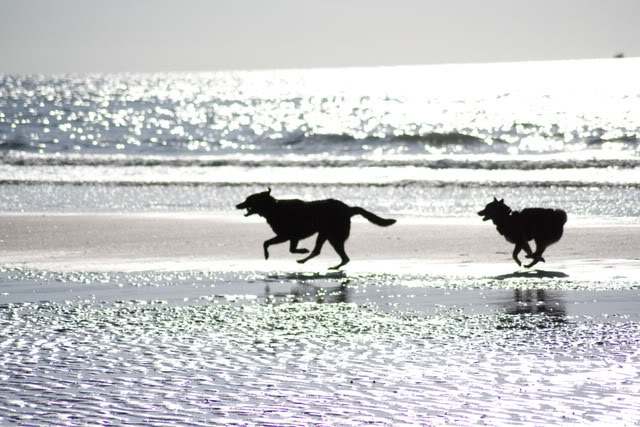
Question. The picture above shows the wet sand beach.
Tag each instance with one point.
(162, 319)
(130, 242)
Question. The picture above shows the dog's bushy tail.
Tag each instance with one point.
(556, 229)
(561, 215)
(373, 218)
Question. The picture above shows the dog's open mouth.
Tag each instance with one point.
(483, 214)
(248, 208)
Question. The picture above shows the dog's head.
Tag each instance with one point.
(495, 209)
(257, 203)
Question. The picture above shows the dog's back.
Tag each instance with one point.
(541, 224)
(298, 218)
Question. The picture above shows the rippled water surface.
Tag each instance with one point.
(561, 133)
(194, 348)
(602, 204)
(506, 108)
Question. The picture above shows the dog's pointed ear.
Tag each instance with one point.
(268, 190)
(502, 201)
(495, 200)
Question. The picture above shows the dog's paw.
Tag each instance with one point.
(535, 261)
(301, 261)
(532, 263)
(303, 251)
(266, 255)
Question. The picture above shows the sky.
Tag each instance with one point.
(205, 35)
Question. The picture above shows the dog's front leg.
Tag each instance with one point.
(272, 241)
(516, 251)
(293, 248)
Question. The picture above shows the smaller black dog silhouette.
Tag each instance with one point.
(543, 226)
(293, 220)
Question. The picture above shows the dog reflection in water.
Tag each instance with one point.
(543, 226)
(293, 220)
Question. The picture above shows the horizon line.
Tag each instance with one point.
(329, 67)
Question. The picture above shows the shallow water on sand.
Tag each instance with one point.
(195, 348)
(615, 204)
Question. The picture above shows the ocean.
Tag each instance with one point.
(427, 141)
(108, 160)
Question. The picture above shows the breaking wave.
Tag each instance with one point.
(19, 158)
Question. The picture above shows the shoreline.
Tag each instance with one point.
(229, 242)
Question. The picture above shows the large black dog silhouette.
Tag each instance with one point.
(293, 220)
(543, 226)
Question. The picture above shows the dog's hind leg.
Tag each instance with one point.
(537, 255)
(540, 248)
(293, 248)
(316, 250)
(527, 250)
(532, 263)
(272, 241)
(338, 245)
(532, 255)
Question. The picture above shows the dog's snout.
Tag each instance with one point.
(240, 206)
(483, 214)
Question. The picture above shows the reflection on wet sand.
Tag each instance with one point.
(305, 277)
(303, 288)
(547, 308)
